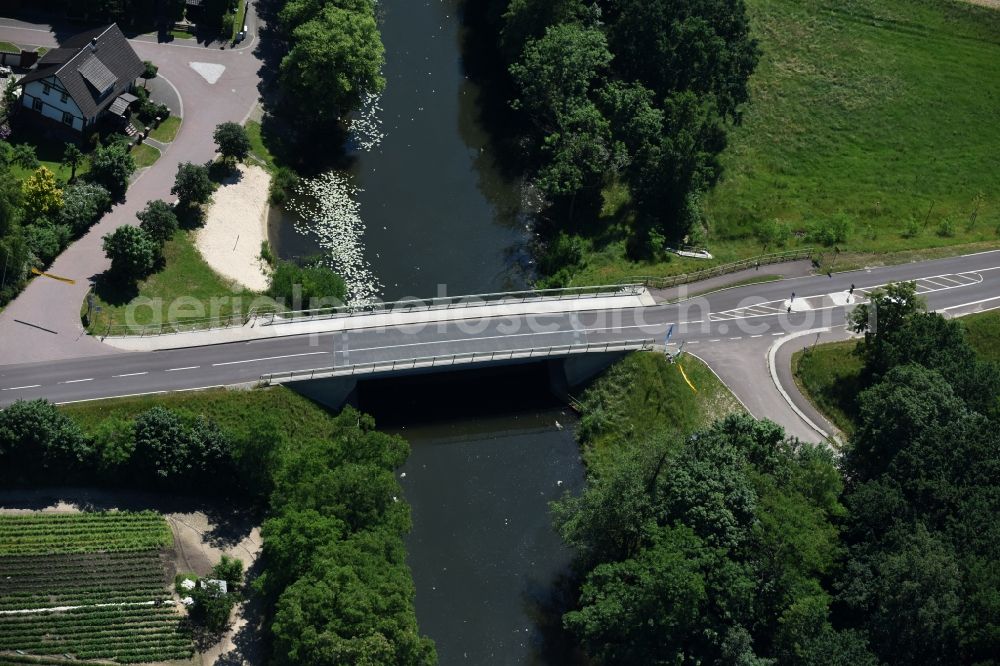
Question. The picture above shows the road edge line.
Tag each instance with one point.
(772, 368)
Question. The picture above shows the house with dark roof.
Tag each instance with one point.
(89, 76)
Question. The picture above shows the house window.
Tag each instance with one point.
(36, 104)
(46, 88)
(63, 98)
(68, 118)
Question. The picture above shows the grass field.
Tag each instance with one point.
(880, 111)
(828, 375)
(643, 395)
(50, 154)
(94, 585)
(983, 333)
(9, 48)
(258, 147)
(184, 275)
(167, 130)
(144, 155)
(241, 414)
(877, 109)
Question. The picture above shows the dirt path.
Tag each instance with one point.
(994, 4)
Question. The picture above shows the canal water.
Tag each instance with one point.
(487, 453)
(435, 206)
(489, 569)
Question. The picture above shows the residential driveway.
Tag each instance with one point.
(213, 85)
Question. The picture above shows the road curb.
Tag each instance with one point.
(773, 370)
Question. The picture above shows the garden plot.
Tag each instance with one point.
(90, 585)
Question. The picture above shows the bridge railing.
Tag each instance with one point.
(454, 302)
(654, 282)
(187, 325)
(266, 316)
(444, 360)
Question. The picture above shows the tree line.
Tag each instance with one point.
(636, 92)
(334, 576)
(738, 544)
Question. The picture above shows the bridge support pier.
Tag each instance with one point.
(569, 374)
(332, 392)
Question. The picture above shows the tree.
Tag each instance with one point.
(701, 46)
(111, 166)
(83, 205)
(23, 155)
(72, 157)
(556, 72)
(668, 176)
(35, 431)
(149, 70)
(577, 154)
(192, 184)
(312, 283)
(912, 593)
(158, 220)
(692, 549)
(40, 195)
(229, 569)
(132, 251)
(232, 141)
(211, 608)
(336, 59)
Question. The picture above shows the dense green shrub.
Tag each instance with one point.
(83, 205)
(282, 181)
(830, 231)
(38, 442)
(111, 166)
(308, 286)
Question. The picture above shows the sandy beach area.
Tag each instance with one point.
(235, 226)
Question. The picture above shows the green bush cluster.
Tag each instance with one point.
(690, 552)
(39, 217)
(148, 111)
(306, 286)
(158, 447)
(334, 558)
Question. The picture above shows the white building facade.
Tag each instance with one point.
(50, 99)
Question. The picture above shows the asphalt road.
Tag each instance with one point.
(731, 329)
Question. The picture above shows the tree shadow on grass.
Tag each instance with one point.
(190, 217)
(113, 290)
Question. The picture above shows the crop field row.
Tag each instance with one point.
(108, 568)
(116, 531)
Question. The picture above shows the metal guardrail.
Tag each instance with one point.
(264, 316)
(453, 359)
(457, 302)
(235, 320)
(654, 282)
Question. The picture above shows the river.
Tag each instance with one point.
(436, 208)
(487, 455)
(489, 569)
